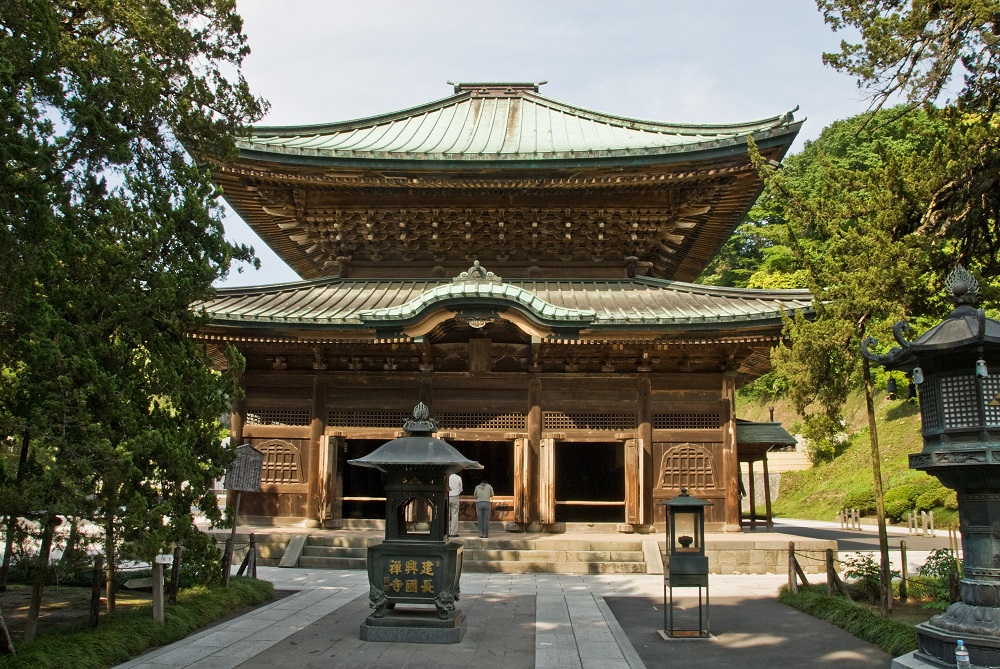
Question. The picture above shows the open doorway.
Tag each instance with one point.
(364, 487)
(497, 459)
(590, 482)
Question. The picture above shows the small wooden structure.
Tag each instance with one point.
(753, 442)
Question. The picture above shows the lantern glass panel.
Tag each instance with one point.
(686, 532)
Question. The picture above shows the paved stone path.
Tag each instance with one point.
(523, 621)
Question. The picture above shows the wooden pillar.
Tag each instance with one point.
(329, 447)
(753, 496)
(633, 477)
(647, 469)
(531, 470)
(317, 430)
(547, 482)
(237, 419)
(730, 464)
(767, 497)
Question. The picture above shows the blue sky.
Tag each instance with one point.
(686, 61)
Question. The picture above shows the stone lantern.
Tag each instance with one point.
(411, 567)
(960, 414)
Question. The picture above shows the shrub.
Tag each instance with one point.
(865, 577)
(862, 500)
(932, 577)
(903, 498)
(934, 498)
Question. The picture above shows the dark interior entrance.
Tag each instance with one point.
(590, 482)
(364, 489)
(497, 459)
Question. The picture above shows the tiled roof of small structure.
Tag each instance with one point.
(764, 434)
(595, 303)
(500, 122)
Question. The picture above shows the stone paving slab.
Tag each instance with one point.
(500, 634)
(750, 633)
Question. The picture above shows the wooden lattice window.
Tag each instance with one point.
(687, 421)
(281, 462)
(264, 416)
(481, 421)
(557, 420)
(390, 419)
(687, 466)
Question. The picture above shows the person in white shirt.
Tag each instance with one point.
(454, 490)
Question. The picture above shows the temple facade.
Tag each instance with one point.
(521, 266)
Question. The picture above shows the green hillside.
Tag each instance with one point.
(820, 492)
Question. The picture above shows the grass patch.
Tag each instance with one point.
(892, 636)
(820, 492)
(125, 634)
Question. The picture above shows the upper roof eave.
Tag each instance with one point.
(778, 137)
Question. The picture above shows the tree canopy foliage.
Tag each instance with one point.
(109, 231)
(873, 214)
(916, 50)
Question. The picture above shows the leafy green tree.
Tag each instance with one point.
(108, 233)
(917, 50)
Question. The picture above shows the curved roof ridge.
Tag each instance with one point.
(660, 126)
(363, 122)
(556, 105)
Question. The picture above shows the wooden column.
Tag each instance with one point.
(547, 482)
(646, 465)
(730, 464)
(237, 419)
(530, 473)
(521, 449)
(328, 481)
(317, 429)
(633, 476)
(752, 492)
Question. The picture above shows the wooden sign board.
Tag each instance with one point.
(244, 475)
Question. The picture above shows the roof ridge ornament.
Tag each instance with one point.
(962, 287)
(477, 274)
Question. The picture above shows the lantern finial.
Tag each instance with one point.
(962, 287)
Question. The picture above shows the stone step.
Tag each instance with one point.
(478, 555)
(532, 567)
(343, 541)
(323, 562)
(334, 551)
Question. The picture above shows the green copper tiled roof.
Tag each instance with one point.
(593, 304)
(764, 434)
(501, 122)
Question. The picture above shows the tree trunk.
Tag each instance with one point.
(883, 537)
(110, 555)
(71, 553)
(41, 572)
(11, 528)
(12, 524)
(6, 643)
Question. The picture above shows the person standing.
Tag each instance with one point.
(454, 490)
(483, 493)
